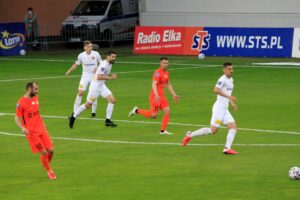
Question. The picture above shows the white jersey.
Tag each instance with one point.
(225, 84)
(89, 62)
(103, 69)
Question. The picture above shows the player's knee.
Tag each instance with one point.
(113, 101)
(154, 115)
(214, 130)
(80, 93)
(167, 112)
(43, 152)
(88, 105)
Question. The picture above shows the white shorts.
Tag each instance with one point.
(220, 115)
(84, 82)
(95, 93)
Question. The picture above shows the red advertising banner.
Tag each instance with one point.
(158, 40)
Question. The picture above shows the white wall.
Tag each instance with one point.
(224, 13)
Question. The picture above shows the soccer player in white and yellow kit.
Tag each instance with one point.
(89, 60)
(98, 88)
(220, 112)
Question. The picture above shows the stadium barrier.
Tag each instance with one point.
(53, 33)
(218, 41)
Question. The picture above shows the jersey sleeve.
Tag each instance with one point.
(99, 59)
(19, 109)
(101, 69)
(220, 83)
(79, 60)
(156, 76)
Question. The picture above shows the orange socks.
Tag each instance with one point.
(45, 161)
(165, 121)
(145, 113)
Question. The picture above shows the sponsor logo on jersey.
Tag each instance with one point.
(157, 74)
(9, 41)
(18, 105)
(219, 83)
(201, 41)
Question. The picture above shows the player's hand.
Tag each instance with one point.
(176, 98)
(113, 76)
(67, 73)
(157, 99)
(232, 98)
(235, 107)
(25, 131)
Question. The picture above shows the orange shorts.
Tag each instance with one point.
(39, 142)
(156, 106)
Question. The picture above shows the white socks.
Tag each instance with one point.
(200, 132)
(77, 103)
(94, 106)
(79, 110)
(109, 110)
(230, 138)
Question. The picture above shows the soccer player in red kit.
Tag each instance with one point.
(157, 98)
(28, 118)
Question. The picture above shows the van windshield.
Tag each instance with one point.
(91, 8)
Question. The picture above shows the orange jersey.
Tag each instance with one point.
(28, 109)
(162, 78)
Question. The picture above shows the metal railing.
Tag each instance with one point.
(72, 33)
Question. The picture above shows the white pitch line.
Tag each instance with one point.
(171, 123)
(174, 63)
(72, 76)
(153, 143)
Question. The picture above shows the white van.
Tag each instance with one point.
(101, 20)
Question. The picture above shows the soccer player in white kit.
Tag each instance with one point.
(220, 112)
(98, 88)
(89, 60)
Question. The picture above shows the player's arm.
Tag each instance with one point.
(72, 68)
(18, 121)
(154, 88)
(219, 92)
(106, 77)
(172, 92)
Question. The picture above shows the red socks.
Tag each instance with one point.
(165, 121)
(145, 113)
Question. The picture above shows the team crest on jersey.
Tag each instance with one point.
(218, 121)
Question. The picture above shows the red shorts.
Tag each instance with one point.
(39, 142)
(156, 106)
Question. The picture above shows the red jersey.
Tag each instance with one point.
(162, 78)
(28, 109)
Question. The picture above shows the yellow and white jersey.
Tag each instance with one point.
(225, 84)
(89, 62)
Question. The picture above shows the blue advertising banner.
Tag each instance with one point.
(252, 42)
(12, 38)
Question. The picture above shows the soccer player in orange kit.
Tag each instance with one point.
(157, 97)
(28, 118)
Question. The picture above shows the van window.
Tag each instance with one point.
(115, 9)
(91, 8)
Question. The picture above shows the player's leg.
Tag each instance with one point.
(91, 98)
(81, 89)
(37, 146)
(47, 142)
(111, 101)
(231, 125)
(216, 121)
(94, 109)
(165, 120)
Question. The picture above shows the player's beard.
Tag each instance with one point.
(32, 94)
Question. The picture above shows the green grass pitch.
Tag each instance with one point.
(156, 167)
